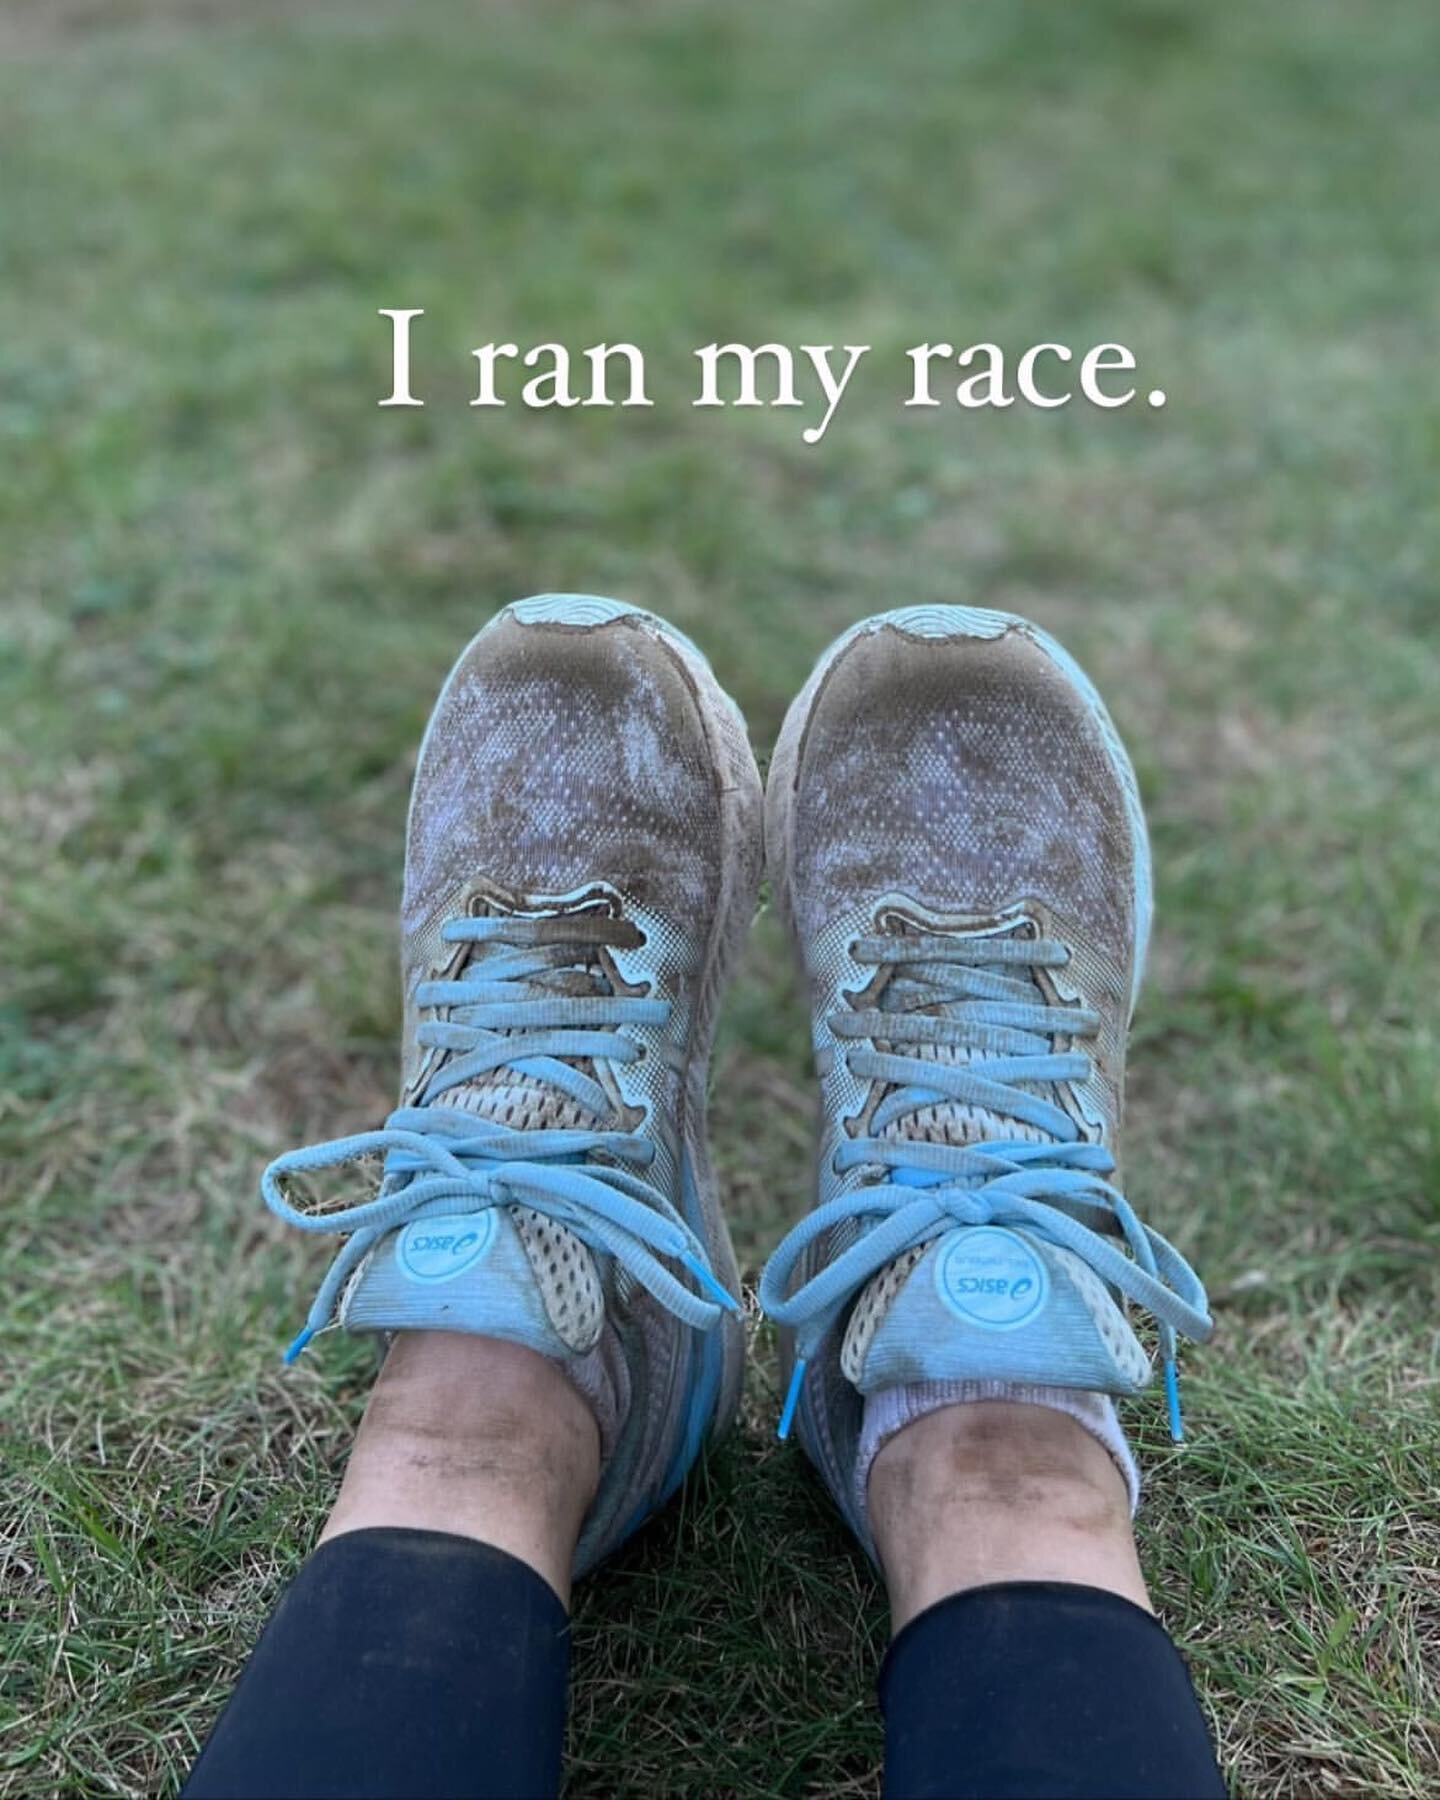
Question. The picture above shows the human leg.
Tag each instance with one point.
(423, 1649)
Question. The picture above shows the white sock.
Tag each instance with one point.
(887, 1411)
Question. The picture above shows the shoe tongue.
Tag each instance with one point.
(875, 1325)
(505, 1096)
(508, 1272)
(987, 1303)
(954, 1121)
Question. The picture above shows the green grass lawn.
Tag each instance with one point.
(231, 585)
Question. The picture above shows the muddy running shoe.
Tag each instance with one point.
(582, 860)
(954, 832)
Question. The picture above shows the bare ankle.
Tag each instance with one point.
(994, 1491)
(478, 1437)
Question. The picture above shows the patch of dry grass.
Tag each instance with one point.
(232, 585)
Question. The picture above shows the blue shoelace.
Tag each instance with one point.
(501, 1014)
(983, 1000)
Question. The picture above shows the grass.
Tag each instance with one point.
(232, 585)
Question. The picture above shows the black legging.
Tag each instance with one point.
(419, 1664)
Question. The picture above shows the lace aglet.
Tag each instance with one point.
(792, 1399)
(1172, 1400)
(720, 1295)
(293, 1351)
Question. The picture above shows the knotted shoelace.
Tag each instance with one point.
(980, 998)
(504, 1011)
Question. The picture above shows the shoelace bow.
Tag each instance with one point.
(504, 1012)
(984, 1001)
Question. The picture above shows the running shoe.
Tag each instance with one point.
(955, 836)
(582, 859)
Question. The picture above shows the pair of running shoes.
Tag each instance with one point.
(952, 830)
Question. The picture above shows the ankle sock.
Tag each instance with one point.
(891, 1409)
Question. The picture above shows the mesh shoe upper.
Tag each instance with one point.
(554, 746)
(972, 774)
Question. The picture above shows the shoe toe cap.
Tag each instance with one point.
(968, 772)
(566, 748)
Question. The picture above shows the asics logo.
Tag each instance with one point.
(991, 1278)
(994, 1284)
(455, 1245)
(439, 1249)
